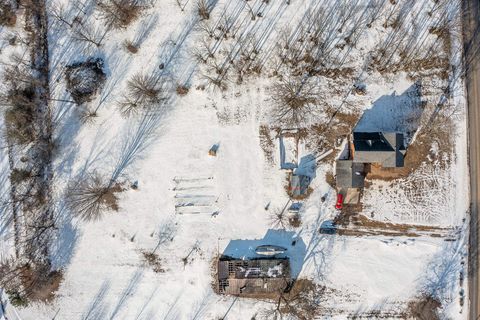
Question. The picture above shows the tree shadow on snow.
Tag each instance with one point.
(307, 166)
(127, 293)
(173, 312)
(150, 314)
(67, 237)
(320, 246)
(441, 278)
(97, 309)
(138, 136)
(200, 307)
(6, 213)
(394, 113)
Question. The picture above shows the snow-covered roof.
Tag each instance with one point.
(254, 268)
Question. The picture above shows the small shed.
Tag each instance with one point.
(213, 150)
(299, 185)
(350, 174)
(253, 276)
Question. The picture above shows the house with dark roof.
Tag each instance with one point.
(257, 276)
(384, 148)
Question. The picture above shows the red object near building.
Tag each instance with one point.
(339, 204)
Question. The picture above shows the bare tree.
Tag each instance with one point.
(58, 12)
(165, 234)
(204, 8)
(19, 114)
(300, 300)
(89, 196)
(87, 116)
(295, 101)
(208, 27)
(119, 13)
(180, 5)
(146, 27)
(250, 10)
(278, 219)
(143, 91)
(7, 13)
(217, 75)
(88, 34)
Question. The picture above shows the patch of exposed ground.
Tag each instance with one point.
(84, 79)
(322, 137)
(424, 308)
(348, 224)
(267, 143)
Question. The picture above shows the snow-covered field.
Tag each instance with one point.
(166, 152)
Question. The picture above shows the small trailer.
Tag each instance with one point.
(269, 250)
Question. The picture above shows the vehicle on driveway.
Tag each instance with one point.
(339, 204)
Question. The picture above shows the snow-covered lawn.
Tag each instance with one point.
(166, 152)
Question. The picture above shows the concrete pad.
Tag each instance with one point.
(352, 196)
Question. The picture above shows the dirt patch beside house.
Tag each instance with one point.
(326, 136)
(350, 224)
(377, 172)
(430, 145)
(425, 308)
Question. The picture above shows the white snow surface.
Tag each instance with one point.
(105, 276)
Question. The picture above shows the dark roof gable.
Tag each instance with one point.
(386, 148)
(371, 141)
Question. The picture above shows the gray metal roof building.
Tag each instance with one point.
(385, 148)
(350, 174)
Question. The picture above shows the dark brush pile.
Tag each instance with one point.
(85, 79)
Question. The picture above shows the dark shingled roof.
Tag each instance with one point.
(371, 141)
(386, 148)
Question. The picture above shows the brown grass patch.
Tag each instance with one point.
(153, 260)
(182, 90)
(266, 143)
(299, 197)
(425, 308)
(351, 224)
(295, 221)
(110, 198)
(41, 284)
(377, 172)
(301, 301)
(27, 282)
(214, 274)
(130, 46)
(434, 65)
(439, 132)
(333, 73)
(8, 16)
(324, 137)
(330, 178)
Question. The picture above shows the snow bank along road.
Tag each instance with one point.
(471, 17)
